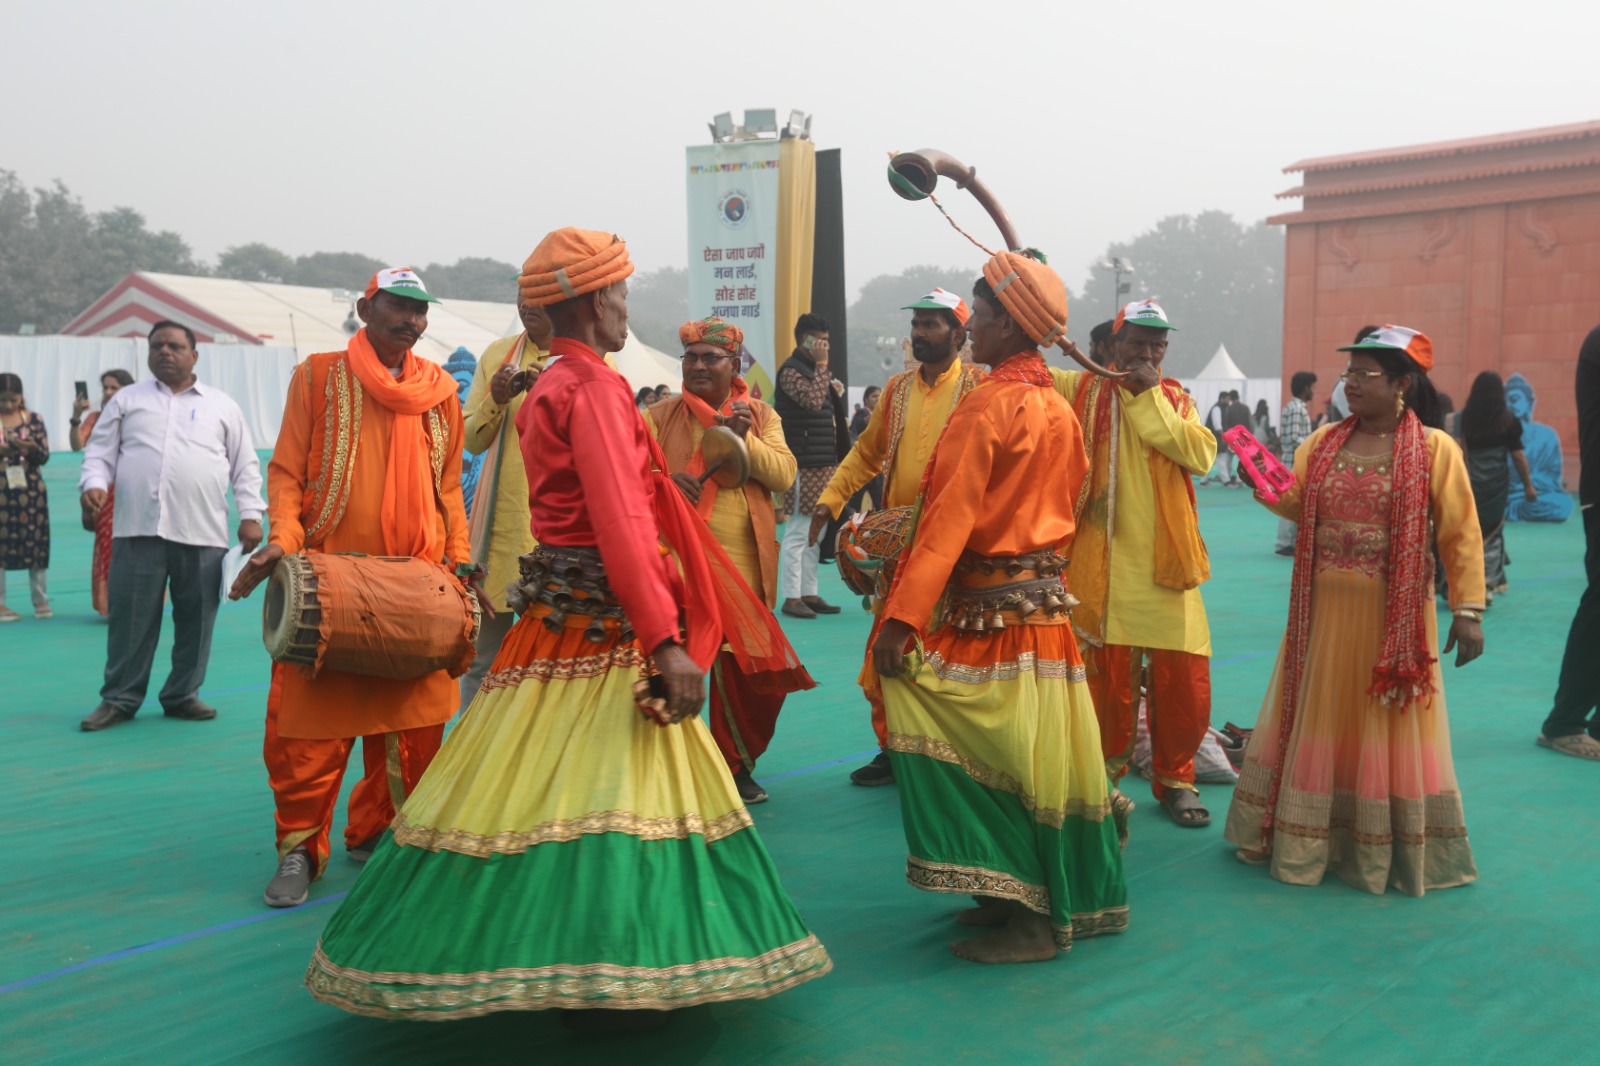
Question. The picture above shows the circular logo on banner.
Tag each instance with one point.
(734, 208)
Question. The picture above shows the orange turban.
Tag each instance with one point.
(712, 330)
(1031, 293)
(571, 262)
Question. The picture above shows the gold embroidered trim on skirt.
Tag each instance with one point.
(977, 881)
(621, 657)
(1381, 822)
(999, 780)
(1027, 662)
(514, 842)
(441, 997)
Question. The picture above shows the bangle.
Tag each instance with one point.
(1468, 613)
(74, 421)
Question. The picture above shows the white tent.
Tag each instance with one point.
(1221, 375)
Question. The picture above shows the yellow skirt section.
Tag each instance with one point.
(515, 773)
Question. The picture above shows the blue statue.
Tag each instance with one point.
(462, 365)
(1543, 448)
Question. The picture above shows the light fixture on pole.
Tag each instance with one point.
(1118, 266)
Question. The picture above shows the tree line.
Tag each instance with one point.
(1221, 280)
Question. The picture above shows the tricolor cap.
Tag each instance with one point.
(942, 300)
(400, 281)
(1142, 313)
(1413, 342)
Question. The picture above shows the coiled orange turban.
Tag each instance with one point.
(712, 330)
(1031, 293)
(571, 262)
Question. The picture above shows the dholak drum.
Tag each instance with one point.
(868, 546)
(378, 615)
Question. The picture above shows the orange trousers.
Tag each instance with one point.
(305, 776)
(1177, 694)
(742, 720)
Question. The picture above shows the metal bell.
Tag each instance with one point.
(1026, 608)
(977, 627)
(1014, 568)
(556, 620)
(998, 621)
(595, 631)
(1053, 604)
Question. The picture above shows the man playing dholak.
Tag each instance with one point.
(1138, 560)
(743, 520)
(899, 439)
(566, 850)
(992, 733)
(368, 460)
(498, 525)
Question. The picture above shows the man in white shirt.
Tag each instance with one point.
(172, 447)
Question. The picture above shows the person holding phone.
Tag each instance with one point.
(24, 507)
(804, 401)
(98, 521)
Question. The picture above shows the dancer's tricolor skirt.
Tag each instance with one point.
(562, 851)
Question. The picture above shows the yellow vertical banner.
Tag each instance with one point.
(797, 225)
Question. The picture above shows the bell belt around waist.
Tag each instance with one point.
(979, 602)
(567, 581)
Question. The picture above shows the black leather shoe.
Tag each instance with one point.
(193, 711)
(749, 791)
(877, 772)
(818, 604)
(103, 717)
(797, 609)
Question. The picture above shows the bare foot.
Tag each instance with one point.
(989, 912)
(1026, 937)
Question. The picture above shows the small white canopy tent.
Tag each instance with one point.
(1222, 374)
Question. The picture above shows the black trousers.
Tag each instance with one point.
(1578, 691)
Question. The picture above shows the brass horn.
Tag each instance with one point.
(913, 176)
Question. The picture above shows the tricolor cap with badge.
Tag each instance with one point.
(1143, 313)
(400, 281)
(942, 300)
(1412, 342)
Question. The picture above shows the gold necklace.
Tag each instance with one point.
(1375, 433)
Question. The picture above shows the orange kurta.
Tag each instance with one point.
(338, 705)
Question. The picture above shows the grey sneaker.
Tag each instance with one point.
(292, 883)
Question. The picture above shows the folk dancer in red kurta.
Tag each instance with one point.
(586, 854)
(368, 460)
(743, 520)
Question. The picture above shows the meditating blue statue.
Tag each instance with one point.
(1543, 448)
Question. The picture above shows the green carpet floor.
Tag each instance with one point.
(132, 929)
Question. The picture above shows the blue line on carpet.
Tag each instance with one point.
(167, 942)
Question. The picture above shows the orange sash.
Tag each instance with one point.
(708, 418)
(408, 494)
(1181, 560)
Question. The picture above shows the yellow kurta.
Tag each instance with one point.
(1140, 613)
(773, 467)
(512, 533)
(927, 410)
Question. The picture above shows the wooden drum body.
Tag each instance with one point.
(382, 616)
(869, 546)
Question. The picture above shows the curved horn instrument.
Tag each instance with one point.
(913, 176)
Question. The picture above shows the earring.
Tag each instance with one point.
(1399, 404)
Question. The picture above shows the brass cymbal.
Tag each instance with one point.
(726, 456)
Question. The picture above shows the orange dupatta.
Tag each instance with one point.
(708, 418)
(408, 491)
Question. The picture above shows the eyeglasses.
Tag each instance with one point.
(691, 358)
(1355, 377)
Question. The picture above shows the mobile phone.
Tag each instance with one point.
(82, 389)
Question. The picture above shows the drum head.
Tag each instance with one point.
(722, 445)
(276, 627)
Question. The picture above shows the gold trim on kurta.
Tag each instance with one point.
(1026, 662)
(441, 997)
(999, 780)
(341, 431)
(563, 830)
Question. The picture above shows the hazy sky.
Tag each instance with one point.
(420, 131)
